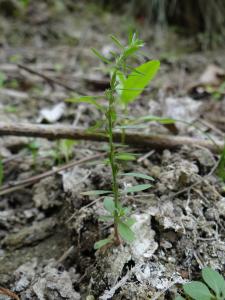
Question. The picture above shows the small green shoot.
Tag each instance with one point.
(66, 147)
(213, 287)
(16, 58)
(221, 166)
(33, 147)
(2, 79)
(217, 93)
(10, 109)
(138, 175)
(137, 188)
(126, 84)
(63, 150)
(102, 243)
(25, 3)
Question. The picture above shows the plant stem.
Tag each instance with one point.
(112, 154)
(123, 136)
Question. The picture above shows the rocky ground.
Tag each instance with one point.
(47, 227)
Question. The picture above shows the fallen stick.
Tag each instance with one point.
(7, 292)
(148, 141)
(47, 78)
(100, 83)
(14, 186)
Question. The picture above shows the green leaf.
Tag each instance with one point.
(125, 232)
(215, 281)
(221, 166)
(109, 204)
(100, 56)
(120, 78)
(197, 290)
(95, 192)
(137, 188)
(10, 108)
(85, 99)
(160, 120)
(106, 161)
(116, 42)
(134, 45)
(179, 298)
(138, 81)
(125, 156)
(102, 243)
(66, 148)
(129, 222)
(34, 145)
(105, 218)
(139, 126)
(130, 50)
(123, 211)
(139, 175)
(97, 125)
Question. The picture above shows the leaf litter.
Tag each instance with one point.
(177, 232)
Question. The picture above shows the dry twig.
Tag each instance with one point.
(46, 78)
(8, 293)
(150, 141)
(12, 187)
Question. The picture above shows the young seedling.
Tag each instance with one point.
(33, 147)
(221, 166)
(126, 84)
(212, 289)
(65, 149)
(62, 151)
(2, 79)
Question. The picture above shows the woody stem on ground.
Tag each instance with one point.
(110, 114)
(144, 141)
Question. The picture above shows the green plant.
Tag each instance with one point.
(126, 84)
(193, 15)
(213, 287)
(24, 3)
(62, 151)
(33, 147)
(65, 148)
(10, 109)
(220, 171)
(217, 93)
(2, 79)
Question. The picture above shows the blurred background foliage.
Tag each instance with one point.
(203, 19)
(191, 17)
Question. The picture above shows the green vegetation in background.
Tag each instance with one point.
(33, 148)
(213, 287)
(221, 167)
(62, 151)
(204, 19)
(2, 79)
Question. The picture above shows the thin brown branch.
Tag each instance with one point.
(150, 141)
(8, 293)
(46, 78)
(14, 186)
(100, 83)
